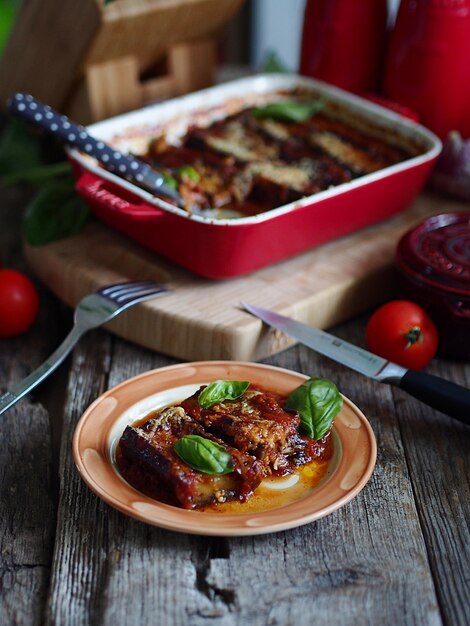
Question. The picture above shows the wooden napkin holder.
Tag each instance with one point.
(94, 59)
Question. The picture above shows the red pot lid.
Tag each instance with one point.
(437, 253)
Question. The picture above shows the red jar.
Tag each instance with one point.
(433, 261)
(428, 63)
(343, 42)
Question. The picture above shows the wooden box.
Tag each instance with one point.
(93, 59)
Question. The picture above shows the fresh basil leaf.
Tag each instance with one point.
(204, 455)
(170, 181)
(7, 18)
(19, 149)
(273, 64)
(189, 172)
(55, 213)
(317, 401)
(289, 110)
(36, 175)
(221, 390)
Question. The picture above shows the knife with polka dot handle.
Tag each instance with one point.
(60, 126)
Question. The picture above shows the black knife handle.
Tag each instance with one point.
(440, 394)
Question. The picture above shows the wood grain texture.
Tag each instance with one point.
(72, 37)
(202, 319)
(27, 506)
(436, 449)
(113, 87)
(146, 29)
(53, 34)
(26, 532)
(79, 551)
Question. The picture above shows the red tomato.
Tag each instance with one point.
(19, 303)
(402, 332)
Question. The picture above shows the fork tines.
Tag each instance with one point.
(131, 291)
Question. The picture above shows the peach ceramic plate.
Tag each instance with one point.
(101, 426)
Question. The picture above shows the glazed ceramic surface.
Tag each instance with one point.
(224, 248)
(433, 261)
(101, 426)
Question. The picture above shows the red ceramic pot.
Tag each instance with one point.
(433, 260)
(428, 63)
(343, 42)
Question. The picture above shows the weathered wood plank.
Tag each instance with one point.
(437, 454)
(80, 545)
(26, 514)
(27, 508)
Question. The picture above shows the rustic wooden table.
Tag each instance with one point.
(397, 554)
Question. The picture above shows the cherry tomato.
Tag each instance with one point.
(19, 303)
(402, 332)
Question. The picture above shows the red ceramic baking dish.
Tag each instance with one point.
(224, 248)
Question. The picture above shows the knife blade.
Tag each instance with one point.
(440, 394)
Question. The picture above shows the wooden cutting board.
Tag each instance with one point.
(200, 319)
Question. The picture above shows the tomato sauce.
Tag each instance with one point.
(259, 433)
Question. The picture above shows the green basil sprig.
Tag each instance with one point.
(204, 455)
(317, 401)
(188, 171)
(55, 213)
(289, 110)
(221, 390)
(170, 181)
(272, 64)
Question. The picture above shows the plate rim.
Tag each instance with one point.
(191, 526)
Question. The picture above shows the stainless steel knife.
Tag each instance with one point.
(447, 397)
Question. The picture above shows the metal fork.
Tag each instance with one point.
(92, 311)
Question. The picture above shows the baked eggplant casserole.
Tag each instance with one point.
(218, 445)
(266, 156)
